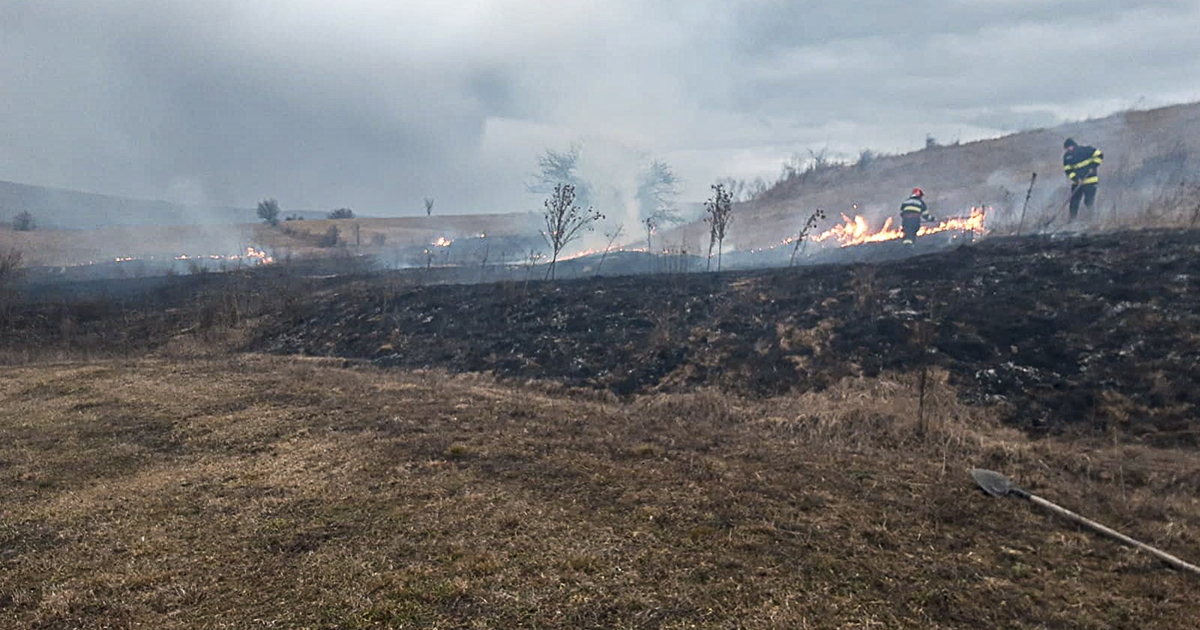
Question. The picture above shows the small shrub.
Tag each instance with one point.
(23, 222)
(330, 238)
(865, 286)
(378, 239)
(865, 158)
(341, 213)
(10, 272)
(268, 211)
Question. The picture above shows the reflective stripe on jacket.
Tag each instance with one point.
(1080, 165)
(914, 205)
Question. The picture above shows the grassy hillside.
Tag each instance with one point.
(71, 209)
(1146, 154)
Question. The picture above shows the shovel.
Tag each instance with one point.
(998, 485)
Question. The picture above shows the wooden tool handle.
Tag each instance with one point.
(1097, 527)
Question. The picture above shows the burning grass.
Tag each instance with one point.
(857, 230)
(281, 492)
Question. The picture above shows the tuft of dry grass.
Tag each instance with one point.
(244, 491)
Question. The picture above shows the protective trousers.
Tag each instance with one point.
(1085, 193)
(910, 222)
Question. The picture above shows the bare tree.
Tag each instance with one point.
(565, 222)
(798, 166)
(757, 189)
(268, 211)
(558, 168)
(719, 209)
(612, 237)
(742, 190)
(738, 189)
(429, 206)
(658, 186)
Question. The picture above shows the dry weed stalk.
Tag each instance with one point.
(809, 224)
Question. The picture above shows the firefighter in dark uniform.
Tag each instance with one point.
(912, 211)
(1081, 164)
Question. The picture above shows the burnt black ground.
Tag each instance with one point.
(1094, 333)
(1097, 332)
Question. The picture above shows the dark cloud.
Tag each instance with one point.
(376, 105)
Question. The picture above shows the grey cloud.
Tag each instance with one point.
(376, 105)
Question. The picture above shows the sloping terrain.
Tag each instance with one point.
(242, 492)
(1099, 332)
(1146, 153)
(72, 209)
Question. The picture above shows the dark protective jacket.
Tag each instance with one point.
(914, 206)
(1082, 163)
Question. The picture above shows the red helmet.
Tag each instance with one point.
(917, 192)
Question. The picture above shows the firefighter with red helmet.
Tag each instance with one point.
(1081, 164)
(912, 212)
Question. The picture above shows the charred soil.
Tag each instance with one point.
(1096, 333)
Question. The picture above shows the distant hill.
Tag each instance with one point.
(57, 208)
(1147, 153)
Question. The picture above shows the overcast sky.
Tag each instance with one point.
(376, 104)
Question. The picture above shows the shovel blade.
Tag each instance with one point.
(992, 482)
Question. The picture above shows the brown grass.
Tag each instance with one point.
(290, 238)
(278, 492)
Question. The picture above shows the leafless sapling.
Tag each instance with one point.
(650, 224)
(719, 210)
(429, 206)
(612, 237)
(531, 259)
(565, 222)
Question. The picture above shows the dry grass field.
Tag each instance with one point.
(788, 448)
(195, 489)
(298, 238)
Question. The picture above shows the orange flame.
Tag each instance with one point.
(442, 241)
(856, 231)
(257, 256)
